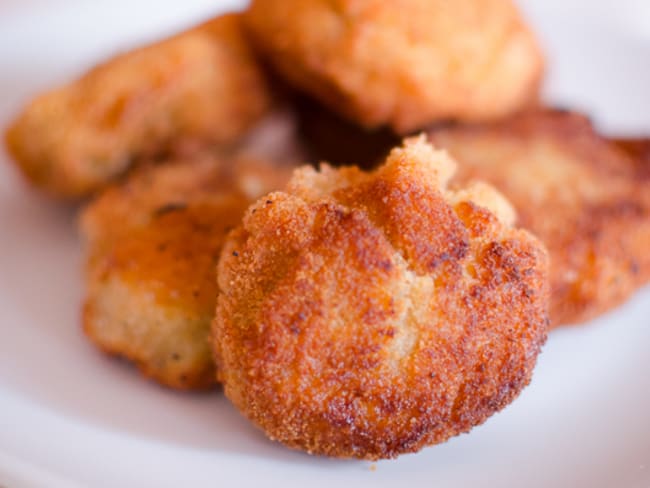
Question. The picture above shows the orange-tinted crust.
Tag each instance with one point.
(403, 63)
(368, 315)
(152, 248)
(639, 151)
(201, 87)
(583, 196)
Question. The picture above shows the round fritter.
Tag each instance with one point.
(405, 63)
(200, 87)
(152, 248)
(370, 314)
(586, 198)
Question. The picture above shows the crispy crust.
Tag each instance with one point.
(584, 197)
(371, 314)
(200, 87)
(402, 63)
(152, 247)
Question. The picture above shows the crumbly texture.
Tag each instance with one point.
(152, 245)
(403, 63)
(584, 197)
(367, 315)
(200, 87)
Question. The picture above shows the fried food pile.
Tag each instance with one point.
(394, 297)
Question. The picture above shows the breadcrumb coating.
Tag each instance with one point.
(403, 63)
(200, 87)
(152, 245)
(368, 315)
(584, 197)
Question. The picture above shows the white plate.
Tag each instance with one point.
(72, 417)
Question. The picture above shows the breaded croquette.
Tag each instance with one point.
(584, 197)
(367, 315)
(152, 248)
(403, 63)
(201, 87)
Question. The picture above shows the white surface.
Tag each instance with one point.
(71, 417)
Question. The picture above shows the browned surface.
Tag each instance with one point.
(200, 87)
(371, 314)
(584, 197)
(152, 248)
(403, 63)
(639, 150)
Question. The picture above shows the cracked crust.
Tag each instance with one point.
(403, 63)
(586, 198)
(370, 314)
(200, 87)
(152, 245)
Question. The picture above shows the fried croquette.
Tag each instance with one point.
(403, 63)
(367, 315)
(152, 248)
(201, 87)
(584, 197)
